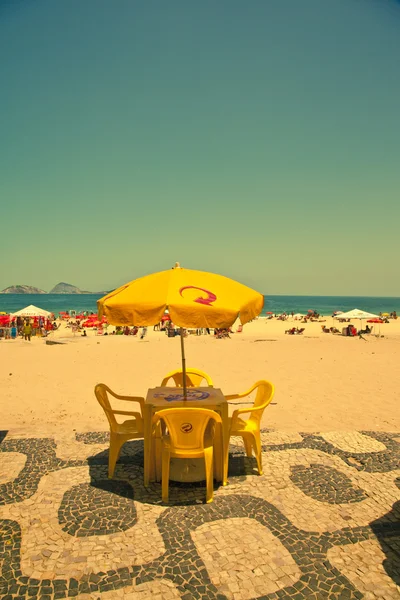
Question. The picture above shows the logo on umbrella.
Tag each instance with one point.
(186, 427)
(200, 300)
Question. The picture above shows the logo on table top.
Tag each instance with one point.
(200, 300)
(186, 427)
(178, 396)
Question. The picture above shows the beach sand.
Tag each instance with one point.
(324, 382)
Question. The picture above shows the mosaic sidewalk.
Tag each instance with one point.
(322, 523)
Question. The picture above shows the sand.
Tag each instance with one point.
(323, 382)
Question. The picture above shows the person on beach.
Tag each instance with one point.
(27, 331)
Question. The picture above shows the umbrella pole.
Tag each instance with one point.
(183, 365)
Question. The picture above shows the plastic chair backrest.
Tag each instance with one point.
(264, 395)
(194, 378)
(186, 426)
(101, 394)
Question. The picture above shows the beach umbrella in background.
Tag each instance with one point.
(32, 311)
(356, 313)
(194, 299)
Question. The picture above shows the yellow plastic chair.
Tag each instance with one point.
(119, 432)
(249, 429)
(194, 378)
(186, 435)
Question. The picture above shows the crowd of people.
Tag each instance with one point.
(28, 327)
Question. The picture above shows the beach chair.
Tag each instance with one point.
(291, 331)
(185, 434)
(120, 433)
(194, 378)
(249, 430)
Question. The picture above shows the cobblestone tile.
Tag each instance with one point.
(67, 448)
(161, 589)
(272, 438)
(11, 464)
(277, 487)
(241, 554)
(365, 564)
(51, 546)
(353, 441)
(322, 513)
(326, 484)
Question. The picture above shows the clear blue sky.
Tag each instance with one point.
(259, 139)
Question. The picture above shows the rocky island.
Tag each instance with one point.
(66, 288)
(60, 288)
(22, 289)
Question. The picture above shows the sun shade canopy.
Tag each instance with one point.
(193, 299)
(32, 311)
(356, 314)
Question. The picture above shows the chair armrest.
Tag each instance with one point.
(242, 395)
(139, 399)
(232, 396)
(241, 411)
(129, 413)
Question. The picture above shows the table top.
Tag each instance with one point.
(171, 397)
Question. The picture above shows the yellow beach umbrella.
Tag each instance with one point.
(193, 298)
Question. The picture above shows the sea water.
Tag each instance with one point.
(325, 305)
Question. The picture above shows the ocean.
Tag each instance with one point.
(325, 305)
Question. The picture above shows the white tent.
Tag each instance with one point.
(32, 311)
(356, 313)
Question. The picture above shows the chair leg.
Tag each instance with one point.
(248, 446)
(208, 459)
(113, 453)
(218, 455)
(257, 448)
(165, 475)
(157, 451)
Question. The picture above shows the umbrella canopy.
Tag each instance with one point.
(356, 313)
(32, 311)
(194, 299)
